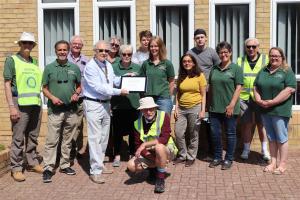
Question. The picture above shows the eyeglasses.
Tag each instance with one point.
(77, 44)
(102, 50)
(275, 56)
(63, 74)
(251, 46)
(27, 42)
(223, 52)
(187, 61)
(114, 44)
(126, 54)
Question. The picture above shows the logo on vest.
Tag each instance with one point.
(31, 82)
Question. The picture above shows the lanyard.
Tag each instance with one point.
(101, 66)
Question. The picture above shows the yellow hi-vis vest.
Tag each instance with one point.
(154, 130)
(28, 80)
(250, 75)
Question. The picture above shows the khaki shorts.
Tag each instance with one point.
(146, 163)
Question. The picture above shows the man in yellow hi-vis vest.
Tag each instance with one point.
(251, 64)
(22, 82)
(154, 144)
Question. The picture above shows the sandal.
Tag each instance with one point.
(279, 171)
(268, 169)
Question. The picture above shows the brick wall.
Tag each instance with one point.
(17, 16)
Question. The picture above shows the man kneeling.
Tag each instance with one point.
(155, 146)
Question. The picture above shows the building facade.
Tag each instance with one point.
(273, 22)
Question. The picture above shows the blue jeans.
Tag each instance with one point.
(276, 128)
(217, 119)
(165, 104)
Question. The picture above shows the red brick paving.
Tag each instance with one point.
(243, 181)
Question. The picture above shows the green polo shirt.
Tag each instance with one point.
(61, 81)
(157, 77)
(222, 84)
(131, 101)
(270, 85)
(9, 72)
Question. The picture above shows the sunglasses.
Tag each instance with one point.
(63, 74)
(102, 50)
(27, 42)
(114, 44)
(126, 54)
(251, 46)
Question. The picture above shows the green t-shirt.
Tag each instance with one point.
(222, 85)
(9, 72)
(157, 77)
(131, 101)
(61, 81)
(270, 85)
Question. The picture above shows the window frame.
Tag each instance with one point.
(115, 4)
(212, 19)
(54, 6)
(41, 46)
(191, 16)
(273, 28)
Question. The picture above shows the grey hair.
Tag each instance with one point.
(100, 42)
(115, 37)
(251, 39)
(74, 37)
(125, 47)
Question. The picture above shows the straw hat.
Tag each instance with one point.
(147, 102)
(26, 36)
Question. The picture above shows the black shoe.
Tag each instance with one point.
(68, 171)
(189, 163)
(159, 185)
(47, 175)
(178, 160)
(214, 163)
(226, 165)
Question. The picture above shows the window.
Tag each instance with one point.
(115, 18)
(57, 20)
(230, 22)
(287, 34)
(114, 21)
(58, 25)
(173, 21)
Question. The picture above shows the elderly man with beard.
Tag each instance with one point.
(61, 85)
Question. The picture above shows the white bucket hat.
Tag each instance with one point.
(26, 36)
(147, 102)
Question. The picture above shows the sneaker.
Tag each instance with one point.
(214, 163)
(226, 165)
(68, 171)
(47, 175)
(37, 169)
(178, 161)
(266, 156)
(97, 178)
(189, 163)
(116, 163)
(245, 155)
(18, 176)
(159, 185)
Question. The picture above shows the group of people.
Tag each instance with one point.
(258, 88)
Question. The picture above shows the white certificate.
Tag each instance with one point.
(134, 83)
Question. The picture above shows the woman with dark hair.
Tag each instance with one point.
(225, 83)
(273, 89)
(189, 110)
(160, 75)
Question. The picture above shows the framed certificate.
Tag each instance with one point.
(134, 83)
